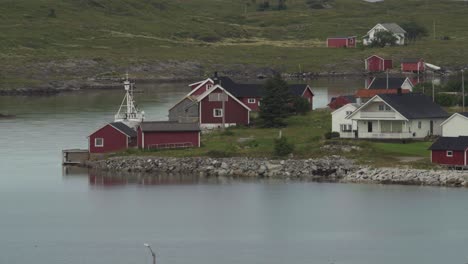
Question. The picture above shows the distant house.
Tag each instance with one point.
(341, 42)
(451, 151)
(380, 83)
(209, 111)
(339, 101)
(398, 116)
(395, 29)
(456, 125)
(346, 127)
(112, 137)
(376, 63)
(166, 134)
(413, 65)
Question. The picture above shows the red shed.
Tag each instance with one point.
(341, 42)
(111, 138)
(377, 64)
(168, 134)
(452, 151)
(413, 65)
(211, 108)
(342, 100)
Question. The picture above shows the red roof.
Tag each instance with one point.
(368, 93)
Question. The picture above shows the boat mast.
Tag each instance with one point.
(128, 113)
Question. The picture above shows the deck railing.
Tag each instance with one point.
(377, 135)
(171, 145)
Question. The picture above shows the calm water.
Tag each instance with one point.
(50, 218)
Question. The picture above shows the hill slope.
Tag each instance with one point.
(105, 35)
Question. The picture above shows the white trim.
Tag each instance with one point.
(142, 139)
(251, 100)
(199, 140)
(98, 146)
(185, 97)
(205, 94)
(199, 86)
(119, 129)
(452, 116)
(195, 83)
(375, 56)
(447, 153)
(308, 88)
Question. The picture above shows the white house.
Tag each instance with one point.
(397, 31)
(456, 125)
(398, 116)
(342, 125)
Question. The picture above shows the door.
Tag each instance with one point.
(369, 127)
(431, 128)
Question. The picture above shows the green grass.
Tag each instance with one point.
(228, 32)
(306, 133)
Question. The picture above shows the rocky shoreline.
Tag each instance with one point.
(327, 169)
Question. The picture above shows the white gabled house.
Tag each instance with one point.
(340, 124)
(395, 29)
(398, 116)
(456, 125)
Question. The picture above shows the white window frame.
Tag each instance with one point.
(419, 124)
(99, 145)
(251, 100)
(449, 153)
(381, 107)
(217, 109)
(208, 86)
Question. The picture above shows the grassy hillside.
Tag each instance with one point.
(123, 32)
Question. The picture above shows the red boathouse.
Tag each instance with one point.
(341, 42)
(112, 137)
(168, 134)
(413, 65)
(451, 151)
(377, 64)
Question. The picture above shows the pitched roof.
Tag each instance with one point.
(450, 143)
(393, 27)
(124, 129)
(411, 60)
(393, 83)
(366, 93)
(465, 114)
(168, 126)
(414, 105)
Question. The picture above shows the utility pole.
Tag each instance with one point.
(463, 88)
(387, 79)
(433, 92)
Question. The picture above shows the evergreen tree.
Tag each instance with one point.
(383, 38)
(275, 103)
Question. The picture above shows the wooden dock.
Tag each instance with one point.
(74, 156)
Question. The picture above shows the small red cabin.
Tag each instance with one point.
(168, 134)
(342, 100)
(377, 64)
(451, 151)
(112, 137)
(413, 65)
(341, 42)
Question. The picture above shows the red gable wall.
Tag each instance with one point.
(114, 140)
(235, 112)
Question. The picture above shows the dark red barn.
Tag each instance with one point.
(413, 65)
(112, 137)
(341, 42)
(452, 151)
(168, 134)
(377, 64)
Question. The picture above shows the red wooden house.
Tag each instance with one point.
(375, 63)
(341, 42)
(167, 134)
(413, 65)
(112, 137)
(451, 151)
(342, 100)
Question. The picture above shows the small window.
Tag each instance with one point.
(419, 124)
(449, 153)
(208, 86)
(381, 107)
(99, 142)
(217, 112)
(251, 101)
(258, 102)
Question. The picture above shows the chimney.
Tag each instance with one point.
(399, 91)
(215, 78)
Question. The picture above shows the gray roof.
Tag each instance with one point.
(124, 129)
(168, 126)
(414, 105)
(381, 83)
(465, 114)
(393, 27)
(450, 143)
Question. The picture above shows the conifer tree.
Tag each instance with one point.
(275, 104)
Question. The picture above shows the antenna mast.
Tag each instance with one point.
(128, 112)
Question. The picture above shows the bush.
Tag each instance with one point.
(447, 99)
(218, 154)
(300, 105)
(330, 135)
(282, 147)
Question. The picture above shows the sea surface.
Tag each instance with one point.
(50, 216)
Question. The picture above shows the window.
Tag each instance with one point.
(251, 100)
(258, 102)
(208, 86)
(419, 124)
(381, 107)
(217, 112)
(346, 128)
(99, 142)
(449, 153)
(217, 97)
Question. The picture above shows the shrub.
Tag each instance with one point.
(282, 147)
(218, 154)
(330, 135)
(447, 99)
(300, 105)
